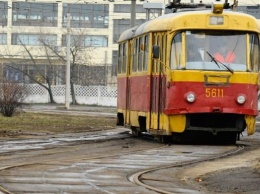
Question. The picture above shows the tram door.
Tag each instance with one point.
(157, 84)
(128, 59)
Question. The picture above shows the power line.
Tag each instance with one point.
(246, 3)
(253, 1)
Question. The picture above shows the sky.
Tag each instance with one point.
(240, 2)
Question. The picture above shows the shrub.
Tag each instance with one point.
(12, 95)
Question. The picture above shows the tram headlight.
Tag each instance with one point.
(190, 97)
(241, 99)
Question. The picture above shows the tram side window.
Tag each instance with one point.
(146, 52)
(140, 54)
(254, 52)
(120, 57)
(157, 62)
(121, 66)
(162, 49)
(135, 55)
(124, 58)
(176, 51)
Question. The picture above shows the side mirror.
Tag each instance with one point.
(156, 51)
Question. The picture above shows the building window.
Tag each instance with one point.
(34, 14)
(114, 63)
(3, 13)
(121, 25)
(29, 73)
(96, 41)
(252, 10)
(12, 74)
(34, 39)
(86, 41)
(86, 15)
(91, 75)
(122, 8)
(3, 39)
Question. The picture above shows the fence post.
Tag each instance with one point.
(99, 95)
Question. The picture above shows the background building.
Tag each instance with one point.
(253, 10)
(33, 39)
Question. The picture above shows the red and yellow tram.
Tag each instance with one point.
(172, 80)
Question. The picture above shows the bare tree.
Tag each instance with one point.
(80, 55)
(12, 95)
(52, 57)
(28, 53)
(77, 51)
(38, 80)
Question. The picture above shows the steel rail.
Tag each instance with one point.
(136, 177)
(5, 191)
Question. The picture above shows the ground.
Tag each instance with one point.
(236, 174)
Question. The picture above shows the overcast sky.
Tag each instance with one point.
(240, 2)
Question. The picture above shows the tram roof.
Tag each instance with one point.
(169, 22)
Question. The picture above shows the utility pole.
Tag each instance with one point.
(133, 16)
(67, 87)
(156, 7)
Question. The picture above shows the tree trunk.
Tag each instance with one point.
(73, 95)
(50, 93)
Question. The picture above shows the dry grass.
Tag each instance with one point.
(53, 123)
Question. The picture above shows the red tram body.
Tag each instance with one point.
(162, 92)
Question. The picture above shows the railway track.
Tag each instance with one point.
(96, 167)
(140, 179)
(108, 168)
(51, 147)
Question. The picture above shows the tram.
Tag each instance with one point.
(172, 77)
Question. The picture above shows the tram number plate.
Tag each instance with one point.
(214, 92)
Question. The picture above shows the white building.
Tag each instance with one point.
(94, 28)
(26, 25)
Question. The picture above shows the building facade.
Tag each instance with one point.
(34, 34)
(253, 10)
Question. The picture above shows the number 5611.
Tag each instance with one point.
(214, 92)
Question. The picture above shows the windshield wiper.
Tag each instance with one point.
(228, 68)
(217, 63)
(213, 59)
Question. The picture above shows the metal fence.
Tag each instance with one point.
(89, 95)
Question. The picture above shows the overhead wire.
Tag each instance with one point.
(246, 3)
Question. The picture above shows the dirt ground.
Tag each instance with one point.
(240, 180)
(235, 174)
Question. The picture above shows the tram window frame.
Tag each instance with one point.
(254, 53)
(177, 42)
(146, 52)
(135, 55)
(140, 54)
(159, 41)
(124, 60)
(156, 62)
(162, 54)
(153, 67)
(119, 63)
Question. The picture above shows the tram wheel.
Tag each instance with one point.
(232, 138)
(164, 139)
(135, 132)
(228, 138)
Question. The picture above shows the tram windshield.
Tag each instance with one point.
(215, 50)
